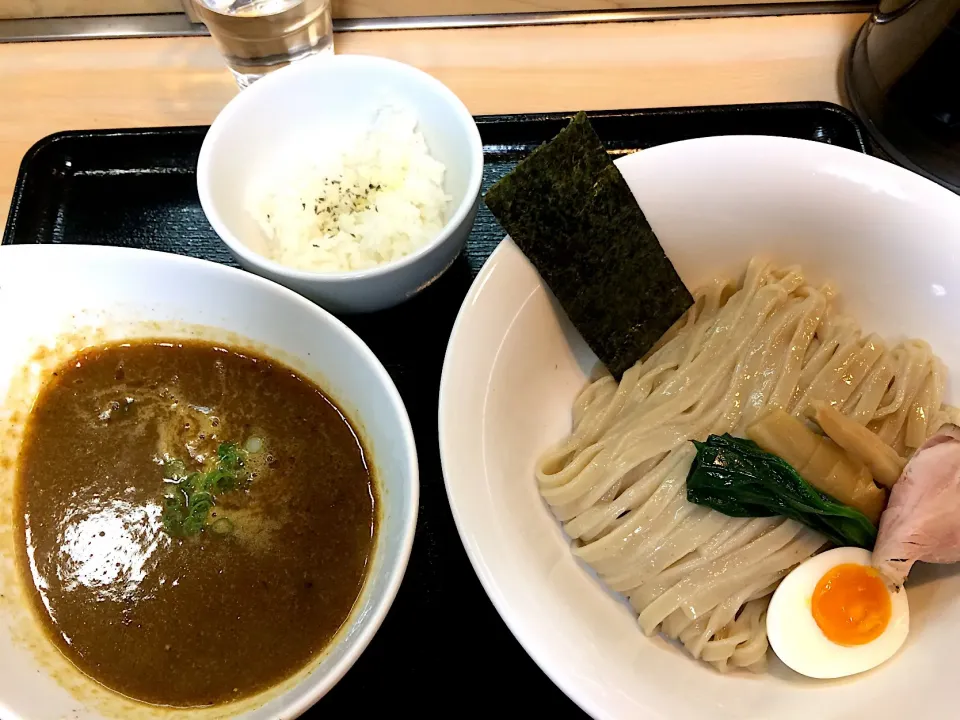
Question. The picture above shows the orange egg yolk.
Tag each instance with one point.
(851, 604)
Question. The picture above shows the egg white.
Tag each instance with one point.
(800, 643)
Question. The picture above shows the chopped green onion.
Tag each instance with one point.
(188, 502)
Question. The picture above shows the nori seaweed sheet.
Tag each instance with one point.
(571, 212)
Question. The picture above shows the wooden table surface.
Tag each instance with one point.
(347, 8)
(48, 87)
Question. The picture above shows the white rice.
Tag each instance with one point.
(379, 201)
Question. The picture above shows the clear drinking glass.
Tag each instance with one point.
(257, 36)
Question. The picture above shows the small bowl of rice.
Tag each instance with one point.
(353, 180)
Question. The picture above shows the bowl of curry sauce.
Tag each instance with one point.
(210, 485)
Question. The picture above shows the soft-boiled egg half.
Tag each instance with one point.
(834, 616)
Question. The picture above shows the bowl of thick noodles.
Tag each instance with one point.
(568, 485)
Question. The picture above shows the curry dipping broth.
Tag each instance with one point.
(195, 522)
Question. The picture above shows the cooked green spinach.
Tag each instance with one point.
(738, 478)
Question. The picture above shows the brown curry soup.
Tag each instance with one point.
(195, 522)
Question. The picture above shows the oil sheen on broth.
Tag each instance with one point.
(155, 589)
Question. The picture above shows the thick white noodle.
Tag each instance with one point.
(618, 482)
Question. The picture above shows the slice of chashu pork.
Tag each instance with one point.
(922, 519)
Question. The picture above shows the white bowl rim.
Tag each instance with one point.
(319, 686)
(552, 667)
(304, 67)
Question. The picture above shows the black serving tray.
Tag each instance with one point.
(443, 651)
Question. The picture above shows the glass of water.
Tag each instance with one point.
(257, 36)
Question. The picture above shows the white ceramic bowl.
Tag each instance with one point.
(891, 242)
(317, 104)
(64, 297)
